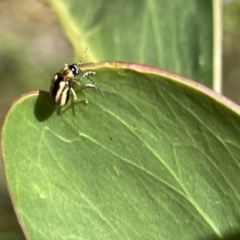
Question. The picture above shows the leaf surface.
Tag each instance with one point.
(154, 157)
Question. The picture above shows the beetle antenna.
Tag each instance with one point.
(84, 53)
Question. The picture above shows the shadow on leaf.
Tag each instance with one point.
(44, 107)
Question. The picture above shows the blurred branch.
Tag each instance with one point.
(217, 44)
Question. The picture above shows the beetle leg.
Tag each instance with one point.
(86, 74)
(76, 98)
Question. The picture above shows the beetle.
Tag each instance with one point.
(61, 85)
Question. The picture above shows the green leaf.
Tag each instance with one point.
(174, 35)
(154, 157)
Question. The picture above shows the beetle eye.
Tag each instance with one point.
(74, 69)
